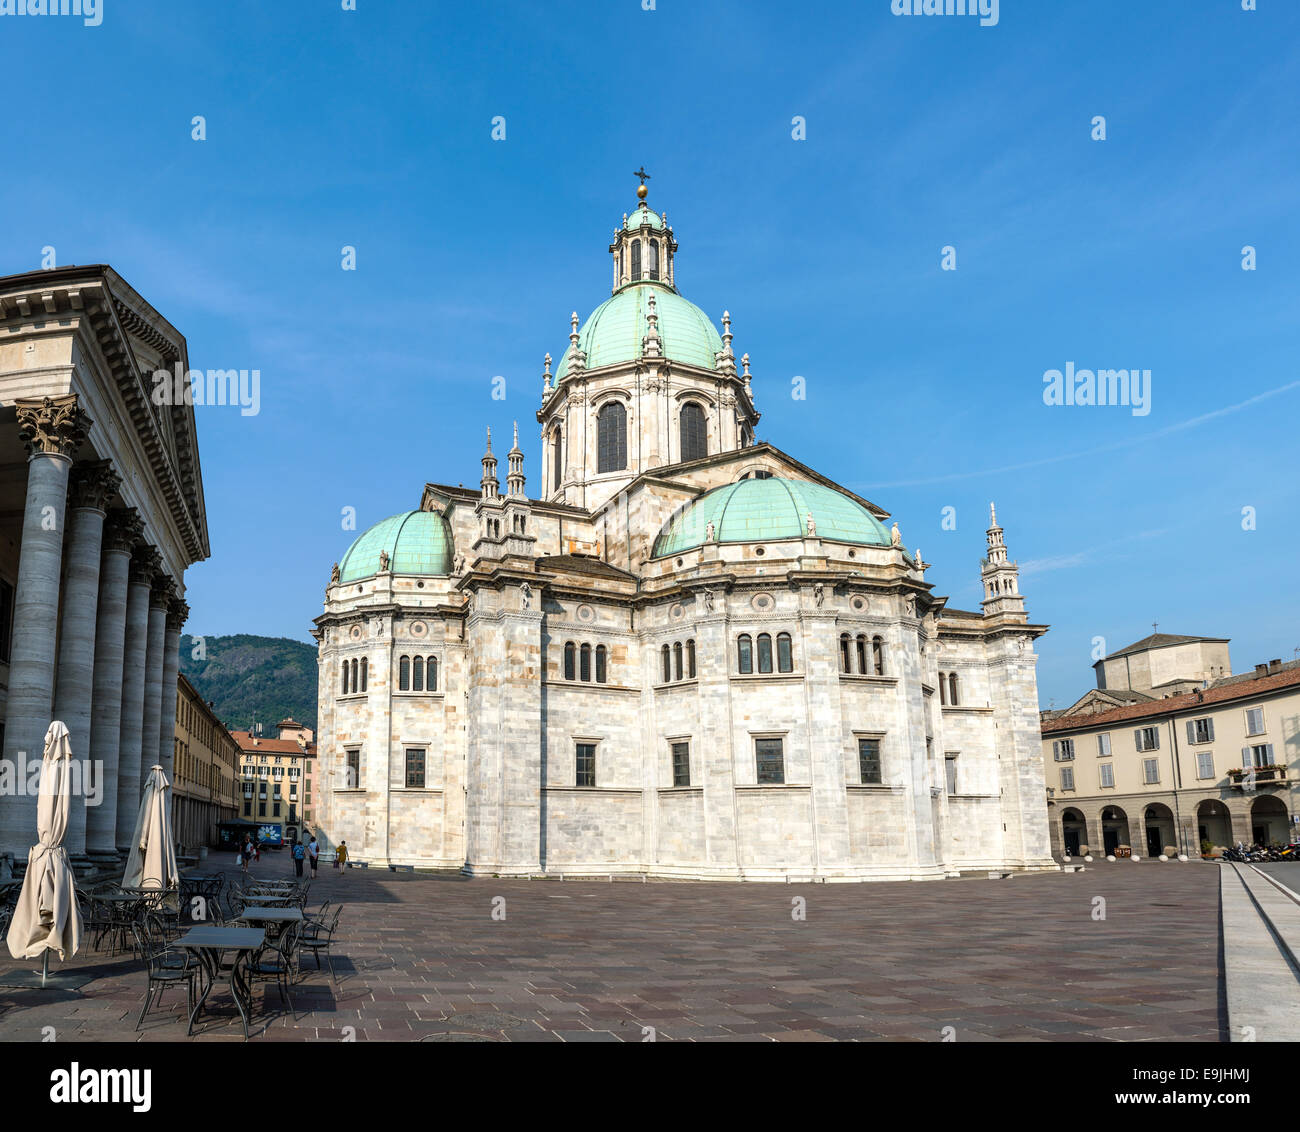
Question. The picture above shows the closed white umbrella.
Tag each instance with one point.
(47, 917)
(152, 861)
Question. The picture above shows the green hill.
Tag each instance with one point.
(262, 679)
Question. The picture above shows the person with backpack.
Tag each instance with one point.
(298, 854)
(313, 853)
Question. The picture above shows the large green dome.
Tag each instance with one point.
(614, 331)
(765, 510)
(417, 542)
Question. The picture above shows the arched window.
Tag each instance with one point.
(404, 674)
(652, 259)
(878, 655)
(417, 674)
(677, 660)
(344, 690)
(557, 458)
(431, 673)
(845, 642)
(666, 654)
(355, 663)
(569, 661)
(862, 655)
(584, 663)
(745, 653)
(602, 659)
(943, 689)
(784, 653)
(695, 440)
(611, 438)
(764, 652)
(622, 264)
(365, 665)
(636, 259)
(952, 689)
(690, 660)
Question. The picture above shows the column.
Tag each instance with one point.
(92, 486)
(160, 597)
(121, 533)
(177, 612)
(144, 567)
(51, 428)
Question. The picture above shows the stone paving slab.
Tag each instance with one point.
(1024, 959)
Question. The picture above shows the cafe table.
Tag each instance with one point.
(209, 943)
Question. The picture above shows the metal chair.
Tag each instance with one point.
(317, 936)
(165, 967)
(276, 961)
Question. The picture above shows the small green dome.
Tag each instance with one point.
(765, 510)
(641, 216)
(614, 330)
(417, 542)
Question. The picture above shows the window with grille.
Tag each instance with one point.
(770, 757)
(681, 764)
(869, 761)
(586, 764)
(611, 438)
(695, 440)
(415, 767)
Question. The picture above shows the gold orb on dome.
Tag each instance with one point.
(642, 191)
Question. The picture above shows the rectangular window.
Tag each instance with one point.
(869, 761)
(1150, 771)
(1204, 764)
(1255, 721)
(415, 767)
(1261, 755)
(586, 759)
(1200, 730)
(1067, 778)
(770, 756)
(261, 809)
(1103, 745)
(275, 809)
(248, 809)
(1107, 774)
(352, 779)
(1147, 739)
(681, 764)
(950, 773)
(1063, 750)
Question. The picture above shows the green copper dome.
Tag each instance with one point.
(614, 331)
(765, 510)
(417, 542)
(642, 215)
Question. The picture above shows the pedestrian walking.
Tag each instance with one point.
(298, 854)
(313, 851)
(341, 856)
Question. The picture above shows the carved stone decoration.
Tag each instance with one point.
(146, 565)
(94, 484)
(178, 612)
(895, 537)
(819, 594)
(163, 591)
(526, 596)
(708, 601)
(812, 525)
(355, 632)
(123, 530)
(911, 605)
(334, 574)
(52, 425)
(383, 561)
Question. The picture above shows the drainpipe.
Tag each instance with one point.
(1178, 783)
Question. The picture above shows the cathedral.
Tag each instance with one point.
(688, 656)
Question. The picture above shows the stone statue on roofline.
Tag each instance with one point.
(710, 532)
(383, 561)
(526, 596)
(895, 537)
(334, 574)
(812, 525)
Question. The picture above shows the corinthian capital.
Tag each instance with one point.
(146, 565)
(51, 425)
(123, 530)
(178, 612)
(94, 484)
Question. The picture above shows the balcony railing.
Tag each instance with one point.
(1258, 776)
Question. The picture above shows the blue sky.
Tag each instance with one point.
(372, 128)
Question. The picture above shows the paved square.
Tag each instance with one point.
(424, 959)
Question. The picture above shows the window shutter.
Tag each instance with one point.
(1246, 762)
(1210, 724)
(1137, 739)
(1268, 747)
(1056, 750)
(1191, 731)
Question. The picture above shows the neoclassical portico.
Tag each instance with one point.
(101, 511)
